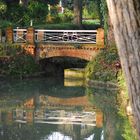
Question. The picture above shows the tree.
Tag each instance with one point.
(125, 17)
(3, 8)
(78, 12)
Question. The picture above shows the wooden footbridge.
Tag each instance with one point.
(83, 44)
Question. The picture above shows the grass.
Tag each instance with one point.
(91, 21)
(87, 25)
(63, 26)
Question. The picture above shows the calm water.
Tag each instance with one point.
(56, 109)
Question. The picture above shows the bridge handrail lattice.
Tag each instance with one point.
(19, 35)
(57, 36)
(66, 36)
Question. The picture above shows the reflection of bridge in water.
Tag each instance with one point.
(69, 115)
(54, 110)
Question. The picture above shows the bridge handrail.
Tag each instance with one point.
(19, 29)
(67, 30)
(19, 35)
(32, 35)
(65, 36)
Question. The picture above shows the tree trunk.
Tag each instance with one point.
(110, 34)
(125, 17)
(78, 12)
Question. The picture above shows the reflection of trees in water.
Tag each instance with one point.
(27, 94)
(25, 132)
(31, 131)
(114, 122)
(47, 86)
(80, 132)
(14, 92)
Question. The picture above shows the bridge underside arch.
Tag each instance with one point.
(86, 54)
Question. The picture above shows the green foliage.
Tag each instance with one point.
(37, 10)
(103, 66)
(105, 100)
(5, 23)
(2, 50)
(128, 132)
(90, 10)
(54, 10)
(104, 16)
(56, 17)
(20, 63)
(64, 26)
(68, 15)
(17, 14)
(121, 81)
(20, 15)
(3, 7)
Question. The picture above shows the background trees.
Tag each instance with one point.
(21, 12)
(78, 12)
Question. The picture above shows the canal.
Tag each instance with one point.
(59, 109)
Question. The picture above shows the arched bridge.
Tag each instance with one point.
(55, 50)
(84, 44)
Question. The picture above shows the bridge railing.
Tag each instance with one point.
(31, 36)
(66, 36)
(19, 35)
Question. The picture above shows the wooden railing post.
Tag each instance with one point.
(100, 38)
(9, 35)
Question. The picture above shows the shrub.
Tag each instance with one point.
(103, 67)
(19, 63)
(68, 15)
